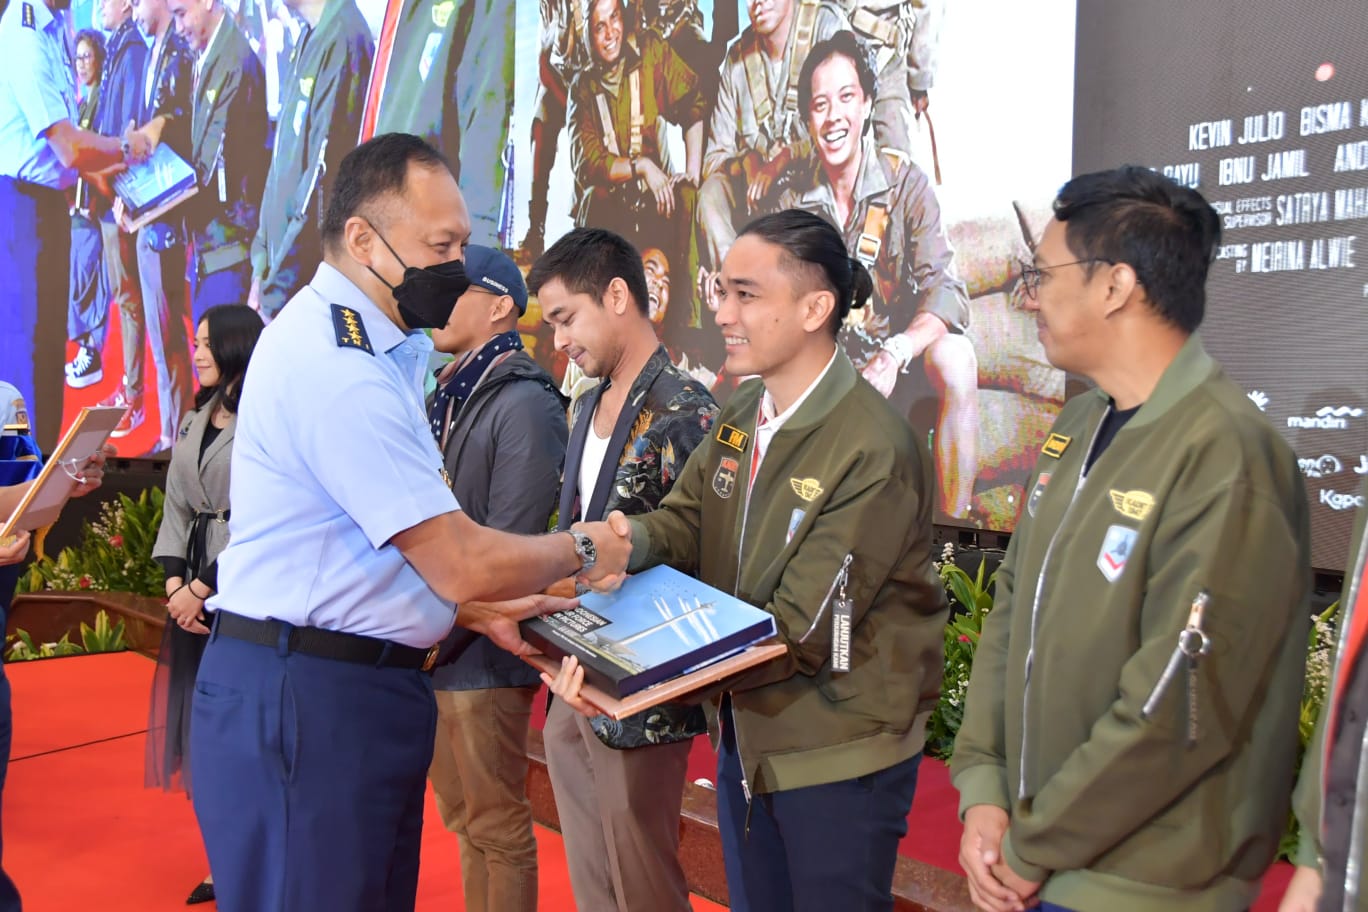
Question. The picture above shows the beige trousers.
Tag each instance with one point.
(479, 773)
(619, 813)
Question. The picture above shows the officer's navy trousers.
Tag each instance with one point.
(814, 849)
(35, 261)
(9, 896)
(309, 779)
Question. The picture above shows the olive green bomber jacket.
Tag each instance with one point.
(1111, 805)
(845, 475)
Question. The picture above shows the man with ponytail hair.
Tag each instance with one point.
(812, 499)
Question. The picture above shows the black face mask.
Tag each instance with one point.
(426, 297)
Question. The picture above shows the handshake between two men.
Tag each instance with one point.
(493, 570)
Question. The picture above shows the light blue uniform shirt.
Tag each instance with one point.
(332, 457)
(37, 90)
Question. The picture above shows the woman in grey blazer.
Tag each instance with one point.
(194, 530)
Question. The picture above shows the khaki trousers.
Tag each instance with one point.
(479, 774)
(619, 814)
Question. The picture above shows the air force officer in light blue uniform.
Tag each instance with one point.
(314, 720)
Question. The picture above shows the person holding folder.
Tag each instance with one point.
(812, 499)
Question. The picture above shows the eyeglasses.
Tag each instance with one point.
(1031, 274)
(86, 56)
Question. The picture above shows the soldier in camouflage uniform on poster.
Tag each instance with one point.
(756, 131)
(903, 36)
(680, 24)
(624, 179)
(886, 209)
(563, 54)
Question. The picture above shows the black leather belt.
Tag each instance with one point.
(326, 644)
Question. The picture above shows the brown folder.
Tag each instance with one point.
(673, 689)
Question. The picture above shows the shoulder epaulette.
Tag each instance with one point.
(351, 332)
(27, 18)
(894, 160)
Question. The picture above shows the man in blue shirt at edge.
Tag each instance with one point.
(313, 713)
(42, 151)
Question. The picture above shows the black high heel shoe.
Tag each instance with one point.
(203, 893)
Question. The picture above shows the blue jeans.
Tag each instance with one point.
(830, 846)
(88, 302)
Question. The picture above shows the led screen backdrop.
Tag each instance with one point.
(956, 150)
(1263, 107)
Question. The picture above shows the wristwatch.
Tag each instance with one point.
(584, 547)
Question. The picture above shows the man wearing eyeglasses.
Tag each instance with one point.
(1129, 728)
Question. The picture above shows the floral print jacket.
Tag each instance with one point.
(667, 415)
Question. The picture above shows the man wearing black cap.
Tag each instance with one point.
(500, 423)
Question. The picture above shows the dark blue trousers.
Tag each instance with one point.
(825, 847)
(309, 779)
(9, 894)
(1051, 907)
(35, 259)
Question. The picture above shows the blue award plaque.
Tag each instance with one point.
(660, 624)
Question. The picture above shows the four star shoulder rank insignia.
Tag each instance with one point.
(351, 332)
(27, 18)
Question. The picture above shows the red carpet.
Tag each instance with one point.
(81, 832)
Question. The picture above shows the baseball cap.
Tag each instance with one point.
(493, 271)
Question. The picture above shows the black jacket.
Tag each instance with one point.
(504, 455)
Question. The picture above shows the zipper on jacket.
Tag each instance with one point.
(1193, 644)
(736, 591)
(1357, 823)
(1352, 872)
(842, 575)
(740, 762)
(1035, 605)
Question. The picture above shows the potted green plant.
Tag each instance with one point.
(110, 569)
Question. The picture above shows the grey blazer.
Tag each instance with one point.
(195, 486)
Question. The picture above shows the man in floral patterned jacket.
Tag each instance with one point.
(619, 785)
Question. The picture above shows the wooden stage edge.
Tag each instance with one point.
(917, 886)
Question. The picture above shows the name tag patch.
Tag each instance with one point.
(1055, 445)
(724, 479)
(1116, 551)
(732, 437)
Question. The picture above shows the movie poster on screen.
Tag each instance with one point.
(673, 122)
